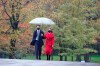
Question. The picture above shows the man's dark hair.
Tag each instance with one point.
(37, 25)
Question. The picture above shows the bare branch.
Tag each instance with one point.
(5, 8)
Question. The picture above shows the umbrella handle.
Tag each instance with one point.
(42, 26)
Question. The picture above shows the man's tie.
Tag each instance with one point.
(38, 33)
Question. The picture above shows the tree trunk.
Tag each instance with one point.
(65, 58)
(72, 58)
(12, 48)
(61, 58)
(78, 57)
(98, 48)
(87, 57)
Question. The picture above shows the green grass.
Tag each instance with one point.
(94, 58)
(31, 57)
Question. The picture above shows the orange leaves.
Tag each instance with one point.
(4, 39)
(26, 36)
(98, 3)
(24, 25)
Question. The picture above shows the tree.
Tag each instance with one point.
(77, 34)
(11, 12)
(77, 22)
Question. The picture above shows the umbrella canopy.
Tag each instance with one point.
(42, 20)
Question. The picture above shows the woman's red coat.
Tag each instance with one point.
(49, 43)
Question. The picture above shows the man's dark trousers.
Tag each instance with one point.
(38, 49)
(38, 43)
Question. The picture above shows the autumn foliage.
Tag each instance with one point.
(67, 14)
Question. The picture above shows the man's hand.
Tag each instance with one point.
(31, 46)
(41, 34)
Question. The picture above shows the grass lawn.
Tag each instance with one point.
(31, 57)
(94, 58)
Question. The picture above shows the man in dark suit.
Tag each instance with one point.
(38, 36)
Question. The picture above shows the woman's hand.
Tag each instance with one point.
(52, 46)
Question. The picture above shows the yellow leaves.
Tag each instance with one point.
(14, 36)
(39, 8)
(75, 1)
(94, 41)
(54, 15)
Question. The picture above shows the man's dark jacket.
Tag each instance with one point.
(40, 37)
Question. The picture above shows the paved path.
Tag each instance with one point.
(16, 62)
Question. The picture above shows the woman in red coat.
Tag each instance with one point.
(49, 43)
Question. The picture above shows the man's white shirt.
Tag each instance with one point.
(38, 32)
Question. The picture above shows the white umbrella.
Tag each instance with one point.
(41, 21)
